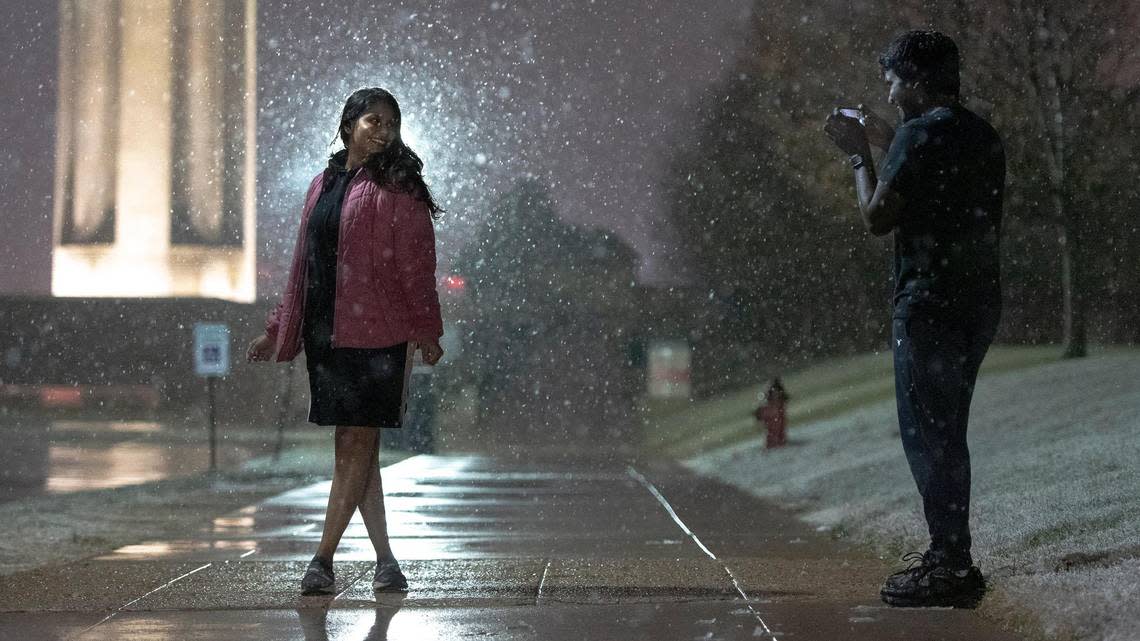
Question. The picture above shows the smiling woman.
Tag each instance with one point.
(360, 301)
(370, 131)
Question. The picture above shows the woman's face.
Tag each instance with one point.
(373, 131)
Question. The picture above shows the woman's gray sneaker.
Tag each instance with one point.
(318, 579)
(389, 577)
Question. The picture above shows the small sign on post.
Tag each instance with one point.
(212, 360)
(670, 369)
(211, 349)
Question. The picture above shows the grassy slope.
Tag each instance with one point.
(1055, 512)
(828, 389)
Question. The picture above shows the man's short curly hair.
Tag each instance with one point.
(929, 57)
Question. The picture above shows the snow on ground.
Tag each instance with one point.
(1056, 486)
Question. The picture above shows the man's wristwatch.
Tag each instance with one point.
(857, 161)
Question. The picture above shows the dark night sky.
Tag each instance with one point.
(587, 96)
(27, 140)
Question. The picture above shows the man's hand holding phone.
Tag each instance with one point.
(879, 132)
(841, 126)
(847, 133)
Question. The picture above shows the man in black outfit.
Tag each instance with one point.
(940, 191)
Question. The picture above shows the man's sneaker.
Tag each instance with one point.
(389, 577)
(927, 583)
(319, 579)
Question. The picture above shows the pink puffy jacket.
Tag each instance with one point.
(385, 272)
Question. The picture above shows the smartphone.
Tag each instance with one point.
(852, 112)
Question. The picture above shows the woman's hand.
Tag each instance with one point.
(430, 350)
(261, 349)
(879, 131)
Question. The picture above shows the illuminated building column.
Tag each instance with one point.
(155, 161)
(142, 189)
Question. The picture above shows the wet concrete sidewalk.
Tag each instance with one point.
(572, 549)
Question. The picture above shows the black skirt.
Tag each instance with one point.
(359, 387)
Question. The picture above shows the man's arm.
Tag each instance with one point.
(878, 203)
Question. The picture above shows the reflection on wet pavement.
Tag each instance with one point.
(686, 621)
(439, 508)
(74, 468)
(122, 427)
(317, 624)
(61, 456)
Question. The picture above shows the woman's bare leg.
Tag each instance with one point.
(355, 454)
(373, 512)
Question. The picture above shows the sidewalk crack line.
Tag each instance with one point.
(648, 485)
(542, 582)
(137, 599)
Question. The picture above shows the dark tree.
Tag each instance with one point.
(552, 309)
(1050, 72)
(765, 205)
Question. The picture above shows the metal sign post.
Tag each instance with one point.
(213, 425)
(212, 360)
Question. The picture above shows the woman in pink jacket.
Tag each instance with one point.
(360, 300)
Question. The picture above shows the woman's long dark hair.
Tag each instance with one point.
(395, 167)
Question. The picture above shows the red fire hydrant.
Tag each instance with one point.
(774, 414)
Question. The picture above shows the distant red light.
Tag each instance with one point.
(455, 283)
(61, 396)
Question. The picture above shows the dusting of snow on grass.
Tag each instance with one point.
(1056, 487)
